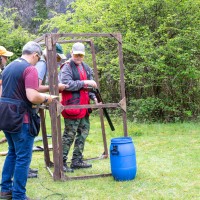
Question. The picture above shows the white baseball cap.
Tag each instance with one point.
(78, 48)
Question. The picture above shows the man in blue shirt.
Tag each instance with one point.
(41, 67)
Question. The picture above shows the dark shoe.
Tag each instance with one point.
(33, 171)
(6, 195)
(32, 175)
(80, 164)
(67, 169)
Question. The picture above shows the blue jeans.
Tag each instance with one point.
(16, 165)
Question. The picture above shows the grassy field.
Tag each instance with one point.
(168, 164)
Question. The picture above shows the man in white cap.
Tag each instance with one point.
(77, 75)
(4, 54)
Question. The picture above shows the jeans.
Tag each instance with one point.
(16, 165)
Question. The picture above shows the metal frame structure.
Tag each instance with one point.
(55, 108)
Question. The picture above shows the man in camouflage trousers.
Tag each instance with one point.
(78, 76)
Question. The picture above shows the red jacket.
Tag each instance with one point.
(76, 97)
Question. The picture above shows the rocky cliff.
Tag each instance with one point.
(31, 11)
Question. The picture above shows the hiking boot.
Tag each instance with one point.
(33, 171)
(80, 164)
(6, 195)
(67, 169)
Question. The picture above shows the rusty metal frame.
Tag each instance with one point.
(55, 109)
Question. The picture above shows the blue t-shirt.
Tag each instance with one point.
(41, 67)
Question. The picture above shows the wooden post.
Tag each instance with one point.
(50, 41)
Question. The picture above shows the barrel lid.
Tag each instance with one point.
(121, 140)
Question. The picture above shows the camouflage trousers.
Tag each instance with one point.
(78, 130)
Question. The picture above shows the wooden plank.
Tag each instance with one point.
(44, 138)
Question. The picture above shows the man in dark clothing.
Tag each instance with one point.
(4, 54)
(19, 92)
(77, 75)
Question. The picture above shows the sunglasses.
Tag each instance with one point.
(78, 55)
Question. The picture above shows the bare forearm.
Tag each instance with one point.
(43, 88)
(35, 97)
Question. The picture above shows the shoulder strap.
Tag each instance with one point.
(75, 73)
(87, 69)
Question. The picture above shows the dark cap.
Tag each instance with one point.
(59, 51)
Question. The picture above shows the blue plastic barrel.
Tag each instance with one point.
(123, 159)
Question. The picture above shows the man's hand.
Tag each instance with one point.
(48, 100)
(96, 101)
(91, 83)
(62, 87)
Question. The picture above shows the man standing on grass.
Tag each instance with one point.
(19, 92)
(42, 70)
(77, 75)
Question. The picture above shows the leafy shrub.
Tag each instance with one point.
(11, 37)
(155, 109)
(161, 48)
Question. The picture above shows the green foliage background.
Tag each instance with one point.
(161, 49)
(12, 37)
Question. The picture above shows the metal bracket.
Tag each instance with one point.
(117, 36)
(122, 104)
(60, 108)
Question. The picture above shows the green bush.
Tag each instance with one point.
(157, 110)
(161, 48)
(12, 37)
(150, 109)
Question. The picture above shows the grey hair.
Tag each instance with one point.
(32, 47)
